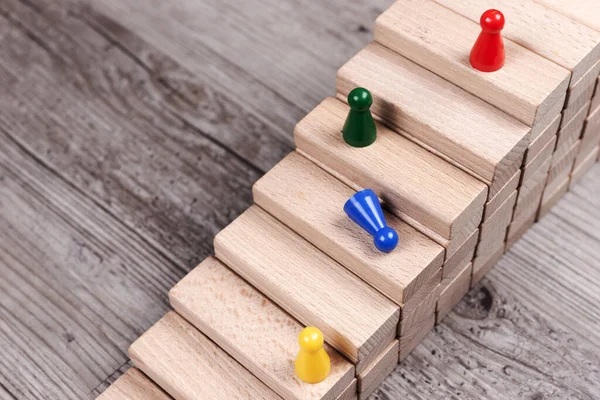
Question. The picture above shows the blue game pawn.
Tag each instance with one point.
(364, 209)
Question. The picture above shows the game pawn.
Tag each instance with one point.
(488, 54)
(359, 129)
(312, 363)
(364, 209)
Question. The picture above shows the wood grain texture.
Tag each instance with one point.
(253, 330)
(310, 201)
(560, 171)
(493, 231)
(453, 292)
(440, 40)
(378, 370)
(416, 325)
(553, 36)
(570, 134)
(590, 136)
(584, 167)
(351, 392)
(103, 237)
(551, 198)
(439, 115)
(537, 145)
(579, 90)
(134, 385)
(573, 109)
(530, 194)
(519, 227)
(596, 99)
(354, 318)
(583, 11)
(467, 251)
(483, 264)
(451, 207)
(187, 365)
(494, 204)
(532, 169)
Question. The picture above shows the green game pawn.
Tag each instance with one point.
(359, 129)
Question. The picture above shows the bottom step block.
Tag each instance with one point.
(553, 198)
(189, 366)
(380, 368)
(253, 330)
(133, 385)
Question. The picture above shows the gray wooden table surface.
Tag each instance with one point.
(131, 133)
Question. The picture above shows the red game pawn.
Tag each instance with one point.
(487, 54)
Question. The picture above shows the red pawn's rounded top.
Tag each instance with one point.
(492, 21)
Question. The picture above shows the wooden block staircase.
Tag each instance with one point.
(464, 163)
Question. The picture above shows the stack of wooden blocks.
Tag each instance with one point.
(464, 163)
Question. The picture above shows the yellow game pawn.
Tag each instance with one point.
(312, 363)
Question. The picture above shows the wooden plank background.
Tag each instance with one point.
(131, 133)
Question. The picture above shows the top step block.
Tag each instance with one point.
(435, 197)
(440, 40)
(560, 39)
(439, 115)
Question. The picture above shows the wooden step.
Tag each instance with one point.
(435, 197)
(551, 35)
(586, 12)
(560, 170)
(590, 136)
(374, 375)
(253, 330)
(133, 385)
(446, 119)
(584, 166)
(530, 194)
(354, 318)
(310, 201)
(189, 366)
(527, 87)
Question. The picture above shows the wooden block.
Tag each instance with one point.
(422, 294)
(552, 35)
(374, 375)
(590, 137)
(440, 200)
(310, 201)
(412, 322)
(570, 134)
(582, 86)
(560, 171)
(585, 165)
(219, 303)
(551, 200)
(410, 342)
(531, 169)
(494, 204)
(482, 265)
(536, 146)
(530, 194)
(518, 228)
(453, 292)
(526, 87)
(133, 385)
(351, 392)
(189, 366)
(493, 231)
(439, 115)
(586, 12)
(573, 109)
(595, 100)
(354, 318)
(467, 251)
